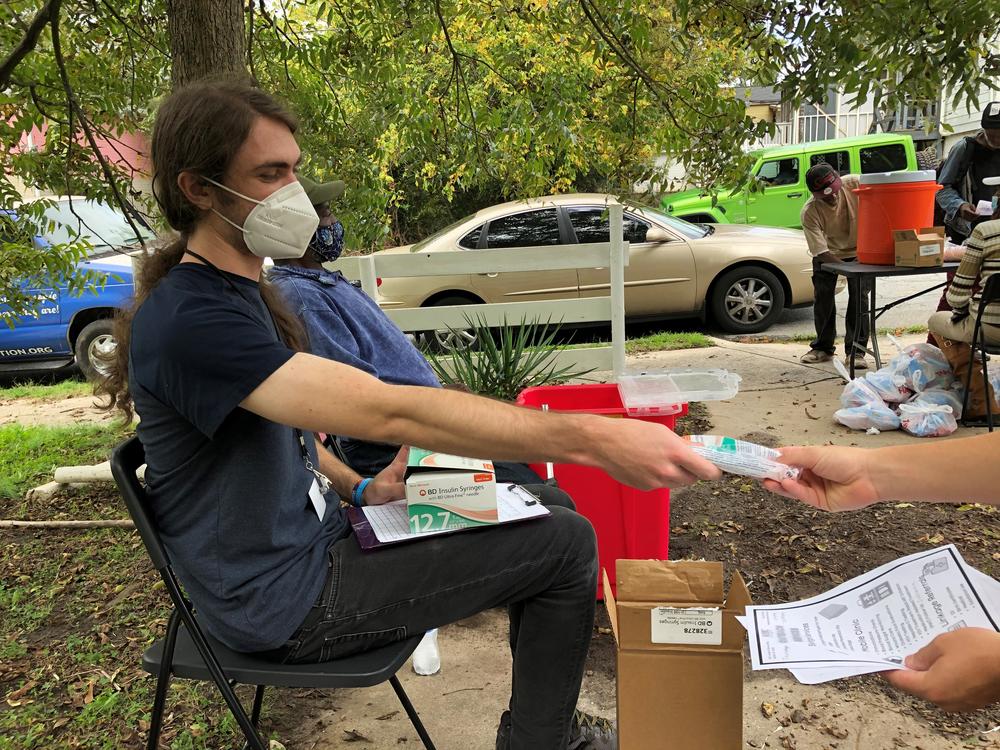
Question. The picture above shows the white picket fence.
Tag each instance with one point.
(612, 255)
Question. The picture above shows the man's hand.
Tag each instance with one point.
(388, 483)
(967, 211)
(957, 671)
(832, 478)
(648, 456)
(827, 257)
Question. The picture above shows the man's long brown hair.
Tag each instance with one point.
(198, 128)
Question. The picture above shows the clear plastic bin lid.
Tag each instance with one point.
(659, 391)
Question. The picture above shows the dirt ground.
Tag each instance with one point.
(784, 551)
(32, 411)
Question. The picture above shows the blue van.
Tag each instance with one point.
(72, 330)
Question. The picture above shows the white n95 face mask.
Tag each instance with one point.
(281, 225)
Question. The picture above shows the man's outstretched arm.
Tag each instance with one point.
(320, 395)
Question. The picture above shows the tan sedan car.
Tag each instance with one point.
(742, 276)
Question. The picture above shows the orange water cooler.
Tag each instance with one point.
(889, 201)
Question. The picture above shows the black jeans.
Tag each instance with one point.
(825, 310)
(544, 571)
(368, 459)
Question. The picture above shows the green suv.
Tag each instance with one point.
(780, 172)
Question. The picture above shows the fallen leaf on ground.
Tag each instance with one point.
(20, 693)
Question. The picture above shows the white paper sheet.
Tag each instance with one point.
(872, 622)
(391, 523)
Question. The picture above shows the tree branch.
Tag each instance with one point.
(48, 12)
(74, 106)
(460, 82)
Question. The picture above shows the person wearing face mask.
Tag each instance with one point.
(344, 324)
(830, 224)
(952, 329)
(251, 508)
(972, 161)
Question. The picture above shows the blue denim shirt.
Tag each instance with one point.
(345, 324)
(961, 179)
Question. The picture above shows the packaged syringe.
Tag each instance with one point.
(741, 458)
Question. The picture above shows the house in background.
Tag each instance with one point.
(129, 152)
(837, 117)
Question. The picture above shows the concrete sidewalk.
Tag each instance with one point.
(778, 393)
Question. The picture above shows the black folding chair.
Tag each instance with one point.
(187, 652)
(990, 294)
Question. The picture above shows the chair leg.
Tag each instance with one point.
(258, 701)
(411, 712)
(254, 740)
(968, 386)
(163, 682)
(986, 387)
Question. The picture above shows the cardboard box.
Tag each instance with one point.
(919, 248)
(680, 655)
(449, 492)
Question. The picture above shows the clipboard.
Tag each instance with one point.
(384, 525)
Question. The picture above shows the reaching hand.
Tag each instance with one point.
(388, 483)
(832, 478)
(967, 211)
(650, 456)
(958, 671)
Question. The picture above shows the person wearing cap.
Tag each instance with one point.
(970, 162)
(830, 223)
(345, 324)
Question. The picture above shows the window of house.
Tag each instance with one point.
(528, 229)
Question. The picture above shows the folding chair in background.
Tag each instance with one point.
(989, 295)
(186, 651)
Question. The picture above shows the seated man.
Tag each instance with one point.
(952, 331)
(249, 509)
(345, 324)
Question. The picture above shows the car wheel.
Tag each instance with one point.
(747, 300)
(444, 341)
(95, 344)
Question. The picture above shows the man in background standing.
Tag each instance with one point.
(830, 223)
(972, 160)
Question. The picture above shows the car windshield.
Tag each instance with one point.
(686, 228)
(101, 225)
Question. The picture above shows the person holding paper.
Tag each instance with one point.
(958, 671)
(962, 177)
(249, 509)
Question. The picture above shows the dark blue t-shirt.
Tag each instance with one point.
(229, 489)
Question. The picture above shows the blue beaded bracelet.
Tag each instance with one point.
(358, 492)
